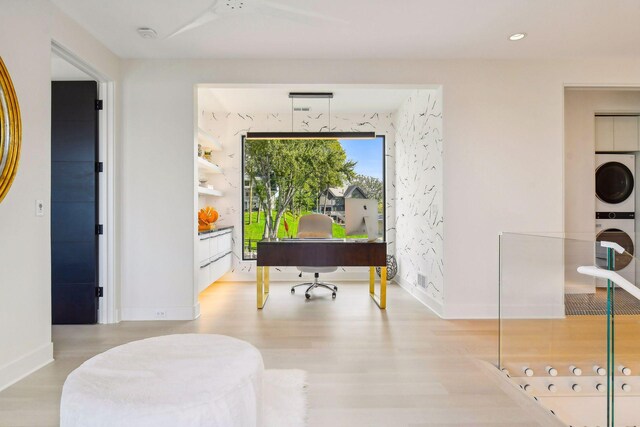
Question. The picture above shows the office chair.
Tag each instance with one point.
(318, 226)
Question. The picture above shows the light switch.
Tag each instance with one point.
(39, 207)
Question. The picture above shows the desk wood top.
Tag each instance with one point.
(319, 253)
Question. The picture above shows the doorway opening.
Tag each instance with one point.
(82, 192)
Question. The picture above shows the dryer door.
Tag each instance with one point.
(614, 182)
(619, 237)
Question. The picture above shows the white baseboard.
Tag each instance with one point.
(479, 311)
(170, 313)
(14, 371)
(471, 311)
(420, 295)
(490, 311)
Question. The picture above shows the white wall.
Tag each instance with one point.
(25, 271)
(157, 194)
(532, 276)
(68, 33)
(419, 197)
(228, 128)
(26, 31)
(503, 157)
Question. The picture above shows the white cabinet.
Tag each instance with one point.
(214, 244)
(203, 250)
(625, 133)
(604, 133)
(204, 276)
(219, 268)
(223, 244)
(617, 133)
(214, 256)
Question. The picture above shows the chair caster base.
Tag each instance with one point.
(293, 291)
(333, 295)
(307, 296)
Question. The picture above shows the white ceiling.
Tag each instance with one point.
(276, 99)
(374, 29)
(61, 70)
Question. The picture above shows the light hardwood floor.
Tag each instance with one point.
(574, 340)
(367, 367)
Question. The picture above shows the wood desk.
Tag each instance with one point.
(314, 253)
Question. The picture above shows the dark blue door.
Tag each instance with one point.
(74, 202)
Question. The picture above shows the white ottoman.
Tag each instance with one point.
(173, 380)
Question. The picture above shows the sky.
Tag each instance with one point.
(368, 154)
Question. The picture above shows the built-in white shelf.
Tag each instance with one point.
(208, 167)
(209, 191)
(208, 140)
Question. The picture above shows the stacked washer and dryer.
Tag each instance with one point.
(615, 210)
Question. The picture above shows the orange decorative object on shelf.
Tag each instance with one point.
(207, 217)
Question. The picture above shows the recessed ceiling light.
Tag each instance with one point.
(147, 33)
(517, 36)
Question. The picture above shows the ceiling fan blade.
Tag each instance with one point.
(301, 12)
(205, 18)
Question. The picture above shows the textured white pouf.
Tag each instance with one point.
(173, 380)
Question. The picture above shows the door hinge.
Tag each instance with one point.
(99, 292)
(99, 229)
(98, 104)
(99, 167)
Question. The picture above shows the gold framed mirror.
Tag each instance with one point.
(10, 131)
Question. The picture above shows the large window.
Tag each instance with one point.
(287, 178)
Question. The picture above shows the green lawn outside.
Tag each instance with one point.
(256, 228)
(253, 232)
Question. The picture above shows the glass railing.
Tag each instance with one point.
(570, 339)
(624, 327)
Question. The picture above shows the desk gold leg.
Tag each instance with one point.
(260, 286)
(262, 283)
(382, 300)
(383, 288)
(372, 280)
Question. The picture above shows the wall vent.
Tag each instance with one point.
(422, 281)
